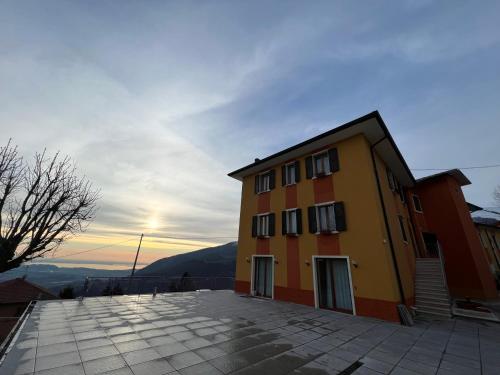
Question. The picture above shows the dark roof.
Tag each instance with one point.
(455, 173)
(19, 290)
(486, 221)
(473, 207)
(375, 130)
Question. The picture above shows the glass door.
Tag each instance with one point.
(333, 285)
(263, 277)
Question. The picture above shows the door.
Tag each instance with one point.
(333, 284)
(431, 244)
(263, 277)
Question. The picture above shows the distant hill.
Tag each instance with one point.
(209, 262)
(54, 278)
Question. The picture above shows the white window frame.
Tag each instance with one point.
(287, 165)
(315, 280)
(318, 223)
(258, 225)
(413, 196)
(288, 211)
(315, 172)
(252, 291)
(260, 176)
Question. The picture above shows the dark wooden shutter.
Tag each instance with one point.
(390, 178)
(256, 184)
(254, 226)
(272, 221)
(334, 159)
(283, 175)
(340, 222)
(309, 167)
(299, 221)
(311, 213)
(297, 171)
(283, 222)
(272, 179)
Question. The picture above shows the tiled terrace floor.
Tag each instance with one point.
(220, 333)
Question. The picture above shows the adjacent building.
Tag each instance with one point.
(330, 223)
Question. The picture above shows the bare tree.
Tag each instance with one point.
(41, 205)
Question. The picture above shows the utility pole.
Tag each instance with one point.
(135, 262)
(137, 255)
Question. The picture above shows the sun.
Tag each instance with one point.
(152, 223)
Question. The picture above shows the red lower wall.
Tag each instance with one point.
(374, 308)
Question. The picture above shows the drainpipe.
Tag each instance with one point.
(386, 221)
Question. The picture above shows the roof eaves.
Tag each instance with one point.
(372, 115)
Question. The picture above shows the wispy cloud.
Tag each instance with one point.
(157, 102)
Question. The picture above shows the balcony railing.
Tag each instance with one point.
(109, 286)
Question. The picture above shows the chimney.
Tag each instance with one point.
(256, 160)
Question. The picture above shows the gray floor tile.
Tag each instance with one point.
(76, 369)
(186, 359)
(102, 365)
(57, 360)
(139, 356)
(155, 367)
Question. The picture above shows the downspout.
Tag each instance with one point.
(386, 221)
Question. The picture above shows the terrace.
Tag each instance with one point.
(219, 332)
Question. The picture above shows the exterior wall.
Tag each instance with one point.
(405, 250)
(490, 241)
(447, 215)
(365, 241)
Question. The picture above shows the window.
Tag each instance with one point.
(416, 203)
(290, 174)
(263, 225)
(327, 218)
(292, 221)
(392, 180)
(321, 164)
(264, 182)
(402, 226)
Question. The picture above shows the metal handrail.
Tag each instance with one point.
(443, 273)
(154, 284)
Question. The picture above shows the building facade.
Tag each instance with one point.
(489, 236)
(325, 223)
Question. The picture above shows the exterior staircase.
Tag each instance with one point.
(431, 292)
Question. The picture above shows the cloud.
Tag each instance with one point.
(157, 103)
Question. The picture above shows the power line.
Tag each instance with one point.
(445, 169)
(96, 248)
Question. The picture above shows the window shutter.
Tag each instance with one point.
(256, 184)
(309, 167)
(254, 226)
(297, 171)
(272, 179)
(334, 159)
(271, 224)
(311, 213)
(340, 222)
(283, 222)
(283, 175)
(299, 221)
(390, 179)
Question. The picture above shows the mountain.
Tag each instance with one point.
(54, 278)
(210, 262)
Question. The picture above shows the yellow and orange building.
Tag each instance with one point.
(327, 223)
(322, 224)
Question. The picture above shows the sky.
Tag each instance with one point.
(156, 101)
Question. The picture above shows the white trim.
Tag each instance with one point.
(315, 280)
(253, 273)
(324, 203)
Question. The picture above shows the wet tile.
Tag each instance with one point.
(130, 346)
(99, 352)
(75, 369)
(186, 359)
(139, 356)
(155, 367)
(102, 365)
(57, 360)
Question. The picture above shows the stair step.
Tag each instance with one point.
(437, 305)
(444, 314)
(431, 294)
(432, 298)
